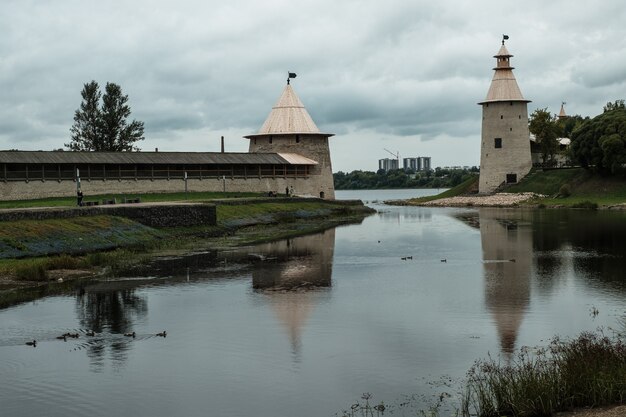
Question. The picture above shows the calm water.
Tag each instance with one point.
(303, 327)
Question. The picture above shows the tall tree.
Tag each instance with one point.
(118, 135)
(600, 143)
(85, 132)
(104, 128)
(544, 127)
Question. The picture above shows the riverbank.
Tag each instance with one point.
(495, 200)
(37, 257)
(557, 188)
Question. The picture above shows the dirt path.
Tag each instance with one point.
(619, 411)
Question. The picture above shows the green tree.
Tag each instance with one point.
(117, 134)
(568, 124)
(85, 132)
(544, 127)
(104, 128)
(616, 105)
(600, 143)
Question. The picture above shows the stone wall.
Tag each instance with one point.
(154, 215)
(22, 190)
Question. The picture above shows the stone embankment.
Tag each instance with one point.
(494, 200)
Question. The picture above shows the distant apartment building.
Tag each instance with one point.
(388, 164)
(420, 163)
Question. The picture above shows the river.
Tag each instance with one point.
(399, 306)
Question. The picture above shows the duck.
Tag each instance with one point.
(73, 335)
(404, 258)
(62, 337)
(33, 343)
(410, 257)
(130, 334)
(90, 333)
(444, 260)
(162, 334)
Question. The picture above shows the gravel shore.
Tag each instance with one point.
(494, 200)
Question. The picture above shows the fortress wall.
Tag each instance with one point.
(35, 189)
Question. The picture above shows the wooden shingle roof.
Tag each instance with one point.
(288, 116)
(152, 158)
(503, 85)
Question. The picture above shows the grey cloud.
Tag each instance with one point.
(396, 69)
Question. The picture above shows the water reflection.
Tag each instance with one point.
(525, 247)
(293, 276)
(107, 308)
(415, 214)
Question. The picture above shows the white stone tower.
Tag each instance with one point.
(289, 129)
(505, 139)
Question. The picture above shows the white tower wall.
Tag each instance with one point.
(507, 121)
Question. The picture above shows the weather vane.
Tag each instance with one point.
(504, 38)
(290, 76)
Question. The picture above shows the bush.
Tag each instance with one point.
(584, 372)
(31, 272)
(62, 262)
(586, 205)
(565, 191)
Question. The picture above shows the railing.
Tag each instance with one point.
(62, 172)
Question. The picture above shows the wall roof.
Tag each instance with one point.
(180, 158)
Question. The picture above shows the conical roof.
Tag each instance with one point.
(288, 116)
(562, 113)
(503, 52)
(503, 85)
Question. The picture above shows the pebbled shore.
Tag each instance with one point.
(494, 200)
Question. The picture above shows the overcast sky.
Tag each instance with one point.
(400, 75)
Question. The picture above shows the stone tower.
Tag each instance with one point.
(505, 139)
(289, 129)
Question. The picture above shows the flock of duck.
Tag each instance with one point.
(90, 333)
(410, 258)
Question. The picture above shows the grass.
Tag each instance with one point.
(463, 188)
(585, 189)
(549, 182)
(572, 187)
(589, 371)
(145, 198)
(76, 235)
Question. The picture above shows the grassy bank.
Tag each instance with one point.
(589, 371)
(145, 198)
(37, 253)
(467, 186)
(570, 188)
(573, 187)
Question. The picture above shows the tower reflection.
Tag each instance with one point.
(507, 246)
(294, 276)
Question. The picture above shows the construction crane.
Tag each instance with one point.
(396, 155)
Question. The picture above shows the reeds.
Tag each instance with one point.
(589, 371)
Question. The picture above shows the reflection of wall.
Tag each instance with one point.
(507, 254)
(291, 278)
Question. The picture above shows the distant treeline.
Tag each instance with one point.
(399, 178)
